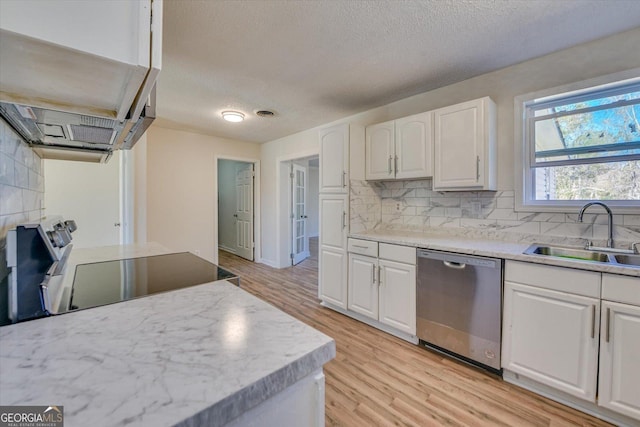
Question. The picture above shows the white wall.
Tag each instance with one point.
(88, 193)
(182, 190)
(312, 201)
(274, 193)
(600, 57)
(139, 152)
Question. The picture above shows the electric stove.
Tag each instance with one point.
(109, 282)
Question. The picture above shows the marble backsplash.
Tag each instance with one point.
(21, 188)
(414, 206)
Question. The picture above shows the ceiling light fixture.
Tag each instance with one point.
(233, 116)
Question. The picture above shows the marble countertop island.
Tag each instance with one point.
(197, 356)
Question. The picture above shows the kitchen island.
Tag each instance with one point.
(211, 354)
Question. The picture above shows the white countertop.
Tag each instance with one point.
(486, 247)
(195, 356)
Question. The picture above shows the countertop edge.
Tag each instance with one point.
(229, 408)
(457, 245)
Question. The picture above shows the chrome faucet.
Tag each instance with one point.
(585, 207)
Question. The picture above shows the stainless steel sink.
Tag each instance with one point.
(628, 260)
(568, 253)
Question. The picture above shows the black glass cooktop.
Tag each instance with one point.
(114, 281)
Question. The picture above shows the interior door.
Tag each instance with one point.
(244, 210)
(300, 243)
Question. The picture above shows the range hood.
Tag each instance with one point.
(71, 136)
(79, 92)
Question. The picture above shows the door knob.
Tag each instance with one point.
(116, 224)
(235, 215)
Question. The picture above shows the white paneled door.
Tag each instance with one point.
(300, 243)
(244, 211)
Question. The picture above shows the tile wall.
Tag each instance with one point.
(21, 187)
(414, 206)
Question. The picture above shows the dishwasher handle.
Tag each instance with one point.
(453, 264)
(459, 261)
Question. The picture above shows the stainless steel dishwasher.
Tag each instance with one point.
(459, 306)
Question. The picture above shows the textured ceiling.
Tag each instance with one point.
(312, 62)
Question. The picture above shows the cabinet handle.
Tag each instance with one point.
(373, 273)
(360, 246)
(477, 168)
(379, 275)
(344, 179)
(344, 219)
(593, 321)
(606, 335)
(396, 165)
(390, 159)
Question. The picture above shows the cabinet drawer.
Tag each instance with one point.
(398, 253)
(579, 282)
(624, 289)
(363, 247)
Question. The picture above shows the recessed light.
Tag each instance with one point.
(233, 116)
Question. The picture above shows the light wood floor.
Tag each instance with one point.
(377, 379)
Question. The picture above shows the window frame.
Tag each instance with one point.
(524, 149)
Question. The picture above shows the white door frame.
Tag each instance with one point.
(257, 253)
(127, 198)
(283, 239)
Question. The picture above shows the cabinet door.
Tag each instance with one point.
(551, 337)
(380, 151)
(333, 221)
(332, 277)
(620, 359)
(397, 302)
(334, 159)
(462, 136)
(363, 285)
(414, 146)
(332, 260)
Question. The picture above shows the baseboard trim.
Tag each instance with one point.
(566, 399)
(374, 323)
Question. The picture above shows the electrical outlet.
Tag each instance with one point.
(397, 206)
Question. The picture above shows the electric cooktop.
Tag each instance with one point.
(109, 282)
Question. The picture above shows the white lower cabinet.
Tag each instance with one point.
(619, 388)
(558, 322)
(551, 337)
(363, 285)
(383, 289)
(332, 277)
(397, 306)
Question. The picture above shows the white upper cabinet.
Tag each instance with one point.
(99, 58)
(400, 149)
(334, 159)
(414, 146)
(380, 151)
(465, 146)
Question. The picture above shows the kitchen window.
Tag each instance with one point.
(579, 146)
